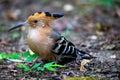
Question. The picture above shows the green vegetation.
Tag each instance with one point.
(24, 59)
(106, 3)
(81, 78)
(15, 35)
(66, 32)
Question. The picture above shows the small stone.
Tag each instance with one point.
(93, 37)
(68, 7)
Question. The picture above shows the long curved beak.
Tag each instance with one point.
(17, 26)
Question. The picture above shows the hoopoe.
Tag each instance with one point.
(49, 44)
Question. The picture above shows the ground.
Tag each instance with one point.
(96, 32)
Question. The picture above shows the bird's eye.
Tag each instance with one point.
(35, 21)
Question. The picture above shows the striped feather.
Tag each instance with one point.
(66, 49)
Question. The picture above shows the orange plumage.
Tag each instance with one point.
(38, 36)
(40, 43)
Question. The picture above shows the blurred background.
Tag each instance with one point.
(76, 12)
(93, 25)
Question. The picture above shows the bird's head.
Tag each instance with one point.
(39, 19)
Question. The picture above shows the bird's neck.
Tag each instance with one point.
(38, 30)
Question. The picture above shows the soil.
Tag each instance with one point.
(96, 32)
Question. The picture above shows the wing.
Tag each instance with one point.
(60, 39)
(65, 48)
(62, 45)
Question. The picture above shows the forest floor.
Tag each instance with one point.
(97, 33)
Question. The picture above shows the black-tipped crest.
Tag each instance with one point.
(39, 12)
(47, 14)
(58, 15)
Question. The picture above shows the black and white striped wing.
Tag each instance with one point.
(66, 48)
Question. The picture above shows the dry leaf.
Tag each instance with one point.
(31, 52)
(83, 63)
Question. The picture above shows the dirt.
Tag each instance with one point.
(97, 33)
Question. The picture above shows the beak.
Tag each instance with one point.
(18, 26)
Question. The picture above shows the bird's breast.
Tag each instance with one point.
(39, 42)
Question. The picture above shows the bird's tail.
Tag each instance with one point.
(83, 55)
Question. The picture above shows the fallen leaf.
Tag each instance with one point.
(83, 63)
(31, 52)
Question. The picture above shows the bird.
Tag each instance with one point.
(48, 43)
